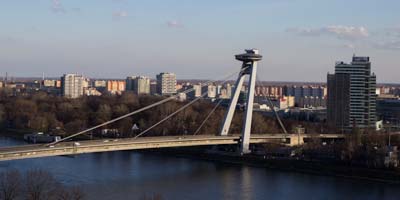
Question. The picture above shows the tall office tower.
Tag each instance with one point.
(166, 83)
(351, 95)
(138, 84)
(72, 85)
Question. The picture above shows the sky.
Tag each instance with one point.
(300, 40)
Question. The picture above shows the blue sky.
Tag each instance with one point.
(299, 39)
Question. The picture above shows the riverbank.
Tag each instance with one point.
(321, 168)
(316, 167)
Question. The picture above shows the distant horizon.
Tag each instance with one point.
(184, 79)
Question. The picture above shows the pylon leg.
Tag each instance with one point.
(249, 111)
(232, 106)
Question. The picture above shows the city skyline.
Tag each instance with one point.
(116, 38)
(188, 99)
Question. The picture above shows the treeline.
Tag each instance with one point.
(35, 185)
(369, 149)
(62, 116)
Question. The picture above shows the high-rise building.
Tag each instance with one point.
(166, 83)
(229, 89)
(58, 84)
(86, 83)
(211, 91)
(351, 95)
(138, 84)
(153, 87)
(72, 85)
(196, 92)
(219, 88)
(115, 86)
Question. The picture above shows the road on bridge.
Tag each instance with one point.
(104, 145)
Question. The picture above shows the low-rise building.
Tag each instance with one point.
(49, 83)
(91, 91)
(100, 83)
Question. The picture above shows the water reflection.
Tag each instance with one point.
(246, 183)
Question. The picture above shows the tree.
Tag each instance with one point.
(3, 118)
(70, 193)
(103, 114)
(65, 112)
(35, 185)
(130, 100)
(119, 110)
(74, 126)
(39, 123)
(258, 125)
(21, 112)
(124, 127)
(10, 185)
(152, 197)
(40, 185)
(40, 96)
(356, 136)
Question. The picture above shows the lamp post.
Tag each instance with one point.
(388, 129)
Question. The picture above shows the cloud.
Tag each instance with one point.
(393, 32)
(119, 1)
(57, 6)
(339, 31)
(120, 14)
(349, 46)
(389, 39)
(9, 40)
(174, 24)
(76, 10)
(390, 45)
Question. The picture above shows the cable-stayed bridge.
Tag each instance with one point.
(248, 68)
(105, 145)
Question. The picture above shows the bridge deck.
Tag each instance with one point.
(104, 145)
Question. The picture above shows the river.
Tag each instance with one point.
(131, 175)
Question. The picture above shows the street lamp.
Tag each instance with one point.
(388, 125)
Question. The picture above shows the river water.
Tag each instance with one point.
(131, 175)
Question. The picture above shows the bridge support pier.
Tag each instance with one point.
(249, 67)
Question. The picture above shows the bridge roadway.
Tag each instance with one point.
(104, 145)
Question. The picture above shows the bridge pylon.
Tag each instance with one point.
(249, 67)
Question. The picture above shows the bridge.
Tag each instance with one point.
(249, 68)
(104, 145)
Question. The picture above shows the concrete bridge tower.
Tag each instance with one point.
(249, 67)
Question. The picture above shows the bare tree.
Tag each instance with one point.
(10, 184)
(77, 193)
(152, 197)
(70, 193)
(40, 185)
